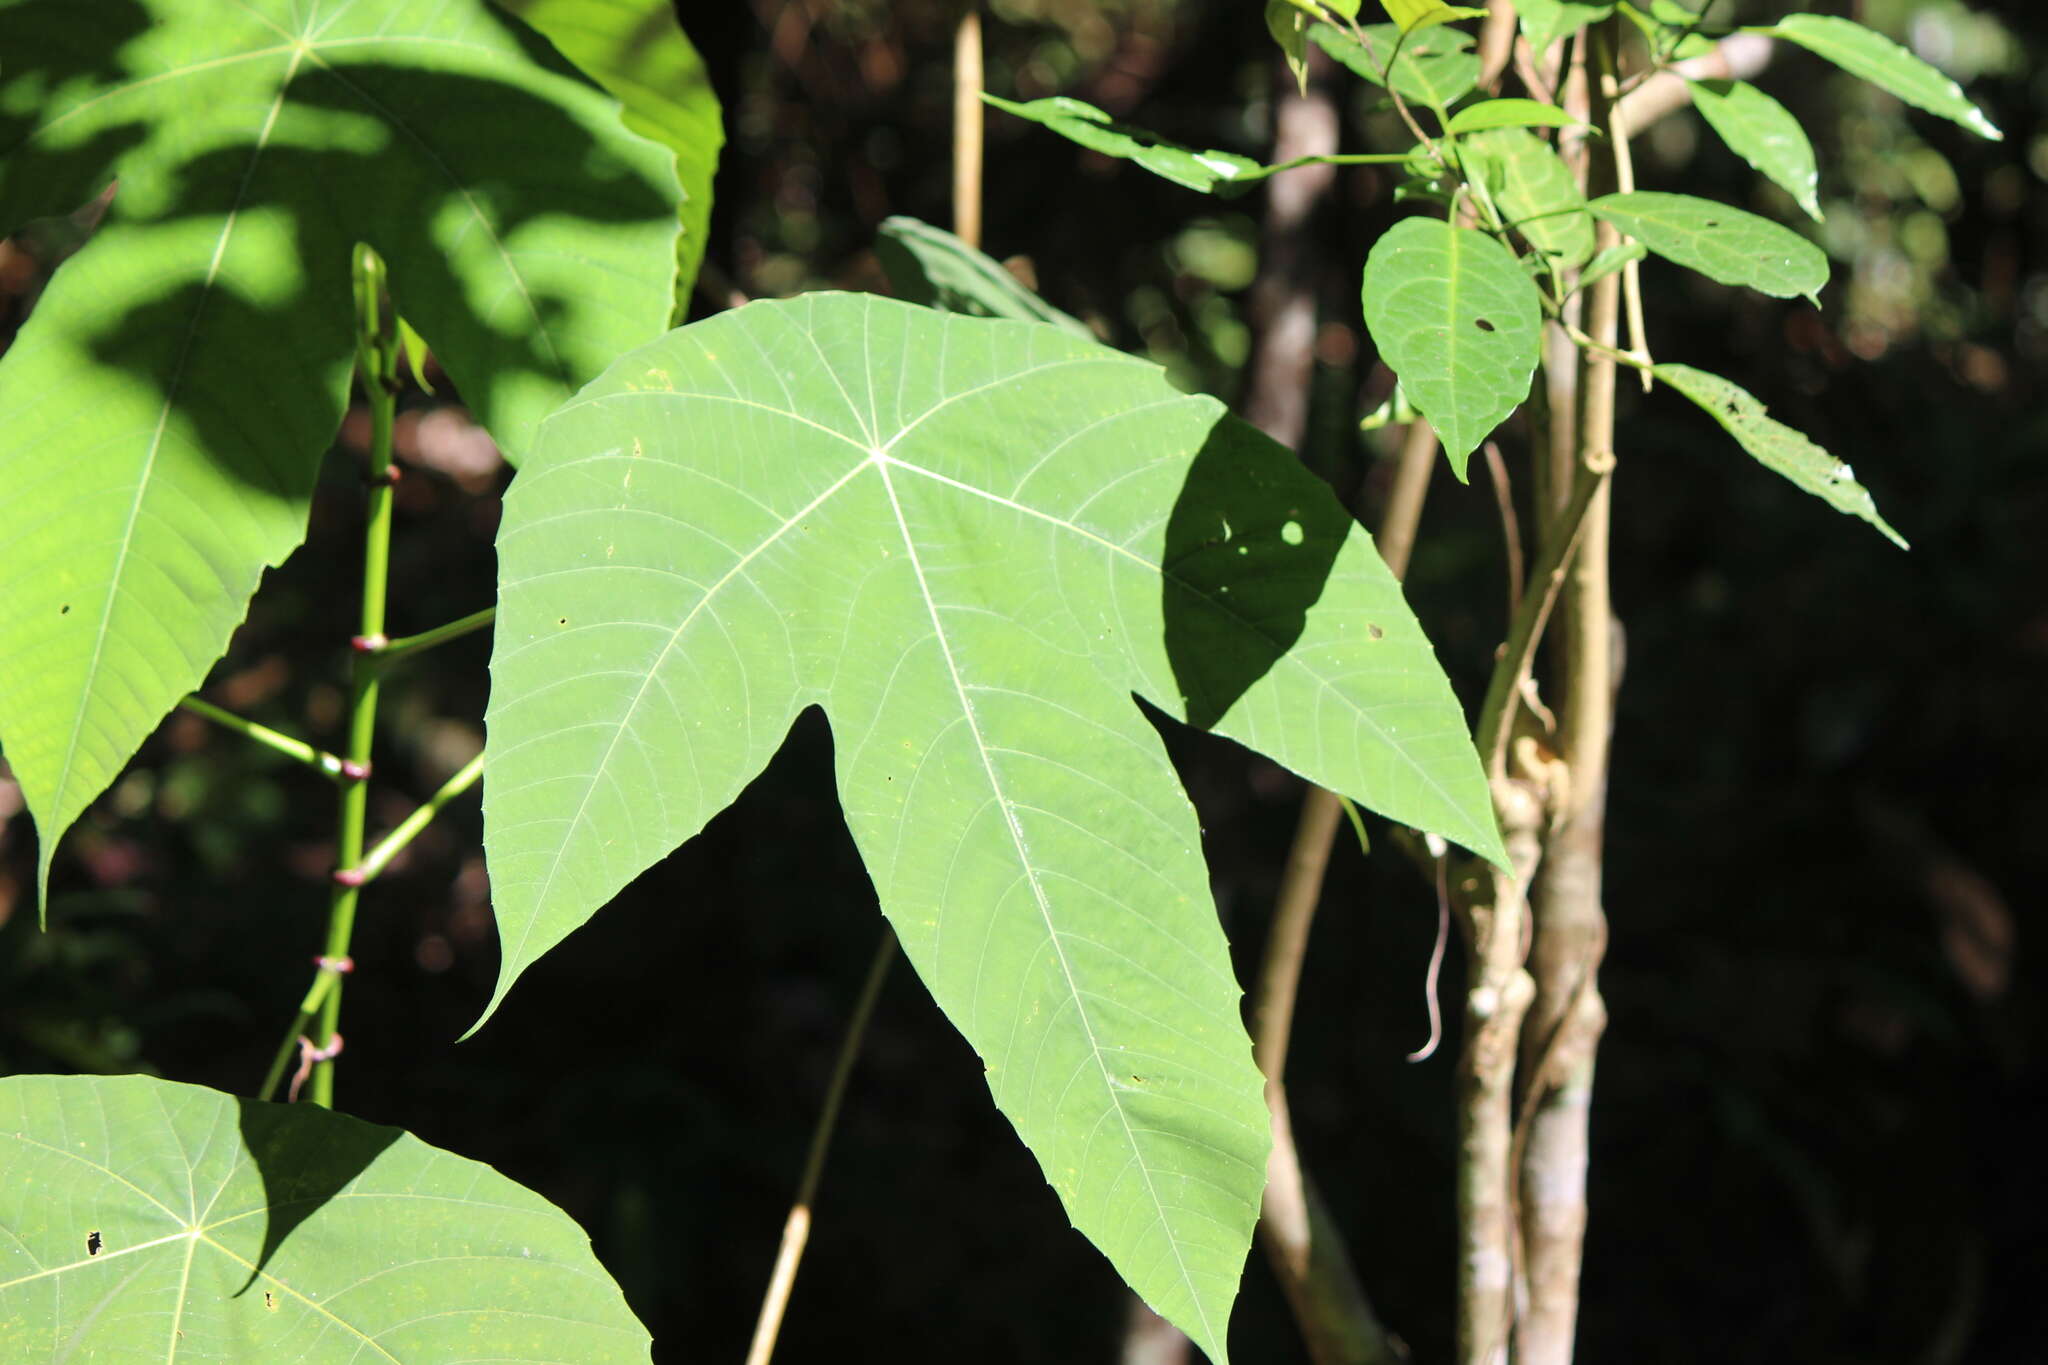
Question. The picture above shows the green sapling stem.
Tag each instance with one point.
(439, 635)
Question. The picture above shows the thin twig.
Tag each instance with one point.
(967, 116)
(408, 829)
(439, 635)
(1510, 524)
(796, 1229)
(328, 765)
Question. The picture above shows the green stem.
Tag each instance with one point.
(439, 635)
(408, 829)
(332, 765)
(377, 355)
(323, 981)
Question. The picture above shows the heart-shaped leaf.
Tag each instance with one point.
(1877, 59)
(1720, 242)
(1459, 321)
(1762, 132)
(170, 399)
(969, 541)
(1777, 446)
(146, 1221)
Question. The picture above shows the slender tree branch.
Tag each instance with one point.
(1567, 1016)
(796, 1229)
(967, 116)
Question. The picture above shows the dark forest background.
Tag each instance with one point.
(1821, 1123)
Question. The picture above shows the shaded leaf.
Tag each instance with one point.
(172, 395)
(1459, 321)
(1436, 67)
(1719, 241)
(932, 267)
(1762, 132)
(970, 542)
(1777, 446)
(1877, 59)
(1081, 122)
(634, 49)
(1287, 25)
(1534, 191)
(148, 1221)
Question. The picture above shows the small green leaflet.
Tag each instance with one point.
(930, 266)
(1412, 15)
(1545, 21)
(1436, 67)
(1877, 59)
(1459, 321)
(970, 541)
(1720, 242)
(1534, 191)
(1507, 113)
(1288, 26)
(149, 1221)
(1777, 446)
(1762, 132)
(1078, 121)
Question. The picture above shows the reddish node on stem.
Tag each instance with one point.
(392, 474)
(354, 771)
(349, 876)
(368, 644)
(344, 965)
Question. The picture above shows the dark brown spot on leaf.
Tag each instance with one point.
(1482, 324)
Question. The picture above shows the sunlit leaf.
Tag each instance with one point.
(1777, 446)
(1436, 67)
(1534, 191)
(146, 1221)
(1507, 113)
(1545, 21)
(1720, 242)
(1877, 59)
(1412, 15)
(1459, 321)
(172, 395)
(1078, 121)
(1611, 260)
(970, 542)
(1762, 132)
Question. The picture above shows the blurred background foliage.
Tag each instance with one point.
(1823, 1098)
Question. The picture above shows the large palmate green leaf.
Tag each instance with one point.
(1877, 59)
(1459, 321)
(169, 401)
(634, 49)
(146, 1221)
(1534, 190)
(970, 541)
(1777, 446)
(1720, 242)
